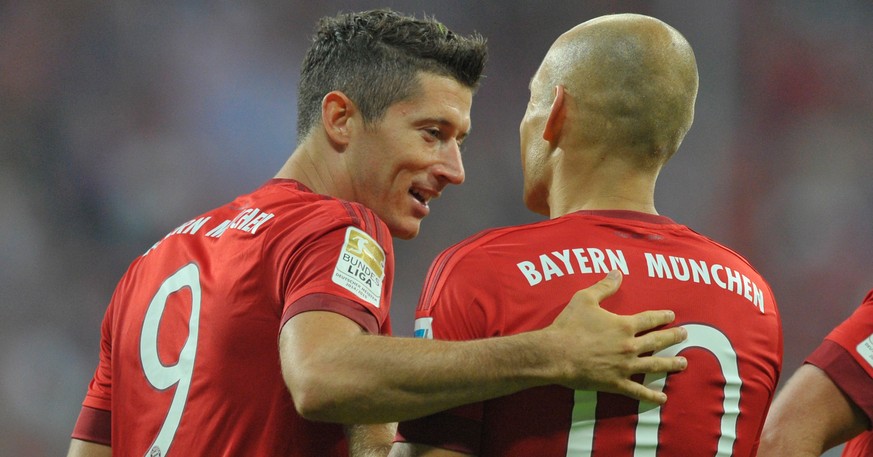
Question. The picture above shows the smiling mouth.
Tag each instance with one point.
(420, 197)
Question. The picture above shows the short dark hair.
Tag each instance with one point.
(374, 57)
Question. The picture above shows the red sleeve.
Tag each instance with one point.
(855, 335)
(94, 422)
(846, 355)
(94, 425)
(325, 302)
(335, 265)
(846, 373)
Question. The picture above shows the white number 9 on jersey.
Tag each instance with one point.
(163, 377)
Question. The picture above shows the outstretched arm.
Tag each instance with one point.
(809, 416)
(337, 373)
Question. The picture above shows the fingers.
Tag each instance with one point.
(653, 364)
(600, 290)
(647, 320)
(660, 339)
(640, 392)
(656, 341)
(611, 330)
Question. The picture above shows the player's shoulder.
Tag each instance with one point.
(868, 299)
(297, 204)
(342, 213)
(863, 314)
(484, 240)
(717, 246)
(485, 246)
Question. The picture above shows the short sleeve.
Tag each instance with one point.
(94, 422)
(855, 334)
(846, 355)
(337, 263)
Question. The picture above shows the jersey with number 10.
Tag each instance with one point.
(189, 362)
(510, 280)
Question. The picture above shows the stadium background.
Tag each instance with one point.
(119, 120)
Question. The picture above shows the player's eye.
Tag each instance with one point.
(435, 133)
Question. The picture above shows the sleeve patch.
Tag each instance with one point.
(865, 350)
(424, 328)
(360, 268)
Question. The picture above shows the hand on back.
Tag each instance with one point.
(598, 350)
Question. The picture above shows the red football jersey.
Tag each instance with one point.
(510, 280)
(846, 355)
(189, 361)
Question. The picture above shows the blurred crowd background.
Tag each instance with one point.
(119, 120)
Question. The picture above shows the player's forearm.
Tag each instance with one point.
(383, 379)
(79, 448)
(809, 416)
(790, 444)
(809, 429)
(786, 436)
(370, 440)
(338, 374)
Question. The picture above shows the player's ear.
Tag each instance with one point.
(557, 114)
(336, 111)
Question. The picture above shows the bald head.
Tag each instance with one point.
(630, 81)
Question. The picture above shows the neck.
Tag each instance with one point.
(610, 184)
(315, 172)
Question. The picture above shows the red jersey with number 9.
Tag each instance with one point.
(189, 361)
(516, 279)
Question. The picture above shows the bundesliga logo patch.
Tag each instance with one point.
(865, 350)
(360, 268)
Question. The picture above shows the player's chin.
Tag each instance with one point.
(405, 229)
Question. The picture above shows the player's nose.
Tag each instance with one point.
(450, 168)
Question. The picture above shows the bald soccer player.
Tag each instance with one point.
(610, 104)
